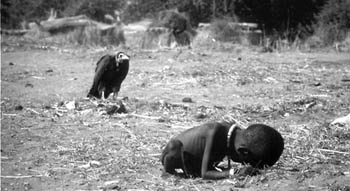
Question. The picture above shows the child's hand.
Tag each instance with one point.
(244, 171)
(247, 171)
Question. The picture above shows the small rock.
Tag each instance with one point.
(170, 60)
(27, 186)
(286, 115)
(38, 77)
(122, 108)
(200, 116)
(29, 85)
(111, 110)
(317, 84)
(111, 185)
(58, 114)
(61, 103)
(342, 121)
(100, 105)
(49, 70)
(47, 107)
(271, 80)
(266, 108)
(19, 107)
(11, 64)
(143, 84)
(116, 109)
(163, 120)
(166, 67)
(187, 100)
(95, 163)
(86, 111)
(84, 166)
(71, 105)
(297, 81)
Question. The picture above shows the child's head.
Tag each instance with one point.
(259, 145)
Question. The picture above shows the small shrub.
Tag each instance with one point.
(203, 39)
(225, 31)
(333, 22)
(114, 36)
(91, 35)
(156, 37)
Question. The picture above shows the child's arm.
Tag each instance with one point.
(211, 174)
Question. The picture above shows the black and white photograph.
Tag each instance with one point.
(170, 95)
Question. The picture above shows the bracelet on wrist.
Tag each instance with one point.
(231, 173)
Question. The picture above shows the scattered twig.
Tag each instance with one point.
(32, 110)
(93, 102)
(143, 180)
(18, 177)
(154, 155)
(91, 123)
(319, 95)
(195, 187)
(298, 157)
(334, 151)
(143, 116)
(57, 168)
(39, 77)
(292, 169)
(236, 121)
(179, 127)
(65, 124)
(9, 114)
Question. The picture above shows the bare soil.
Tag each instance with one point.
(47, 146)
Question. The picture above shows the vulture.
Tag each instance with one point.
(110, 72)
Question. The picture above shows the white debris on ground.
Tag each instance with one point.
(342, 122)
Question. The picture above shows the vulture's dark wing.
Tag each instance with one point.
(101, 61)
(102, 66)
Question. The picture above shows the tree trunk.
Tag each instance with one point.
(225, 6)
(214, 9)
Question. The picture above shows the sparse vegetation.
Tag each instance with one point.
(333, 22)
(291, 21)
(223, 31)
(64, 141)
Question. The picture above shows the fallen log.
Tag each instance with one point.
(80, 29)
(14, 32)
(55, 24)
(76, 21)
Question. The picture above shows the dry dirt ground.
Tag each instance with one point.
(52, 138)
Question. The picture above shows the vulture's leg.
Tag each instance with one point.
(115, 96)
(103, 95)
(115, 92)
(101, 90)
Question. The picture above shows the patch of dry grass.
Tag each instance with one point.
(84, 148)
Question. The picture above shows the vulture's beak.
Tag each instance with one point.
(122, 57)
